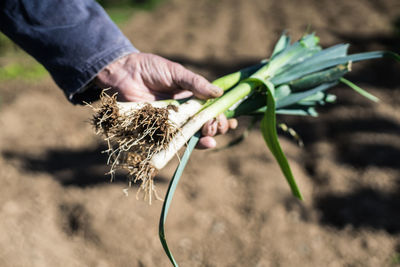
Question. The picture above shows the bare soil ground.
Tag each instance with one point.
(233, 207)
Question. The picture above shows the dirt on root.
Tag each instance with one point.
(232, 207)
(132, 140)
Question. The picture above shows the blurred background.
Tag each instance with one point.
(233, 207)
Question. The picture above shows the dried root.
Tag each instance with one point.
(133, 139)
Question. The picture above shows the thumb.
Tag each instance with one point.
(195, 83)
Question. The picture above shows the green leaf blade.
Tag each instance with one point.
(359, 90)
(296, 97)
(269, 132)
(170, 193)
(281, 45)
(311, 65)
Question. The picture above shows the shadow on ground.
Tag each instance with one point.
(357, 153)
(86, 167)
(363, 208)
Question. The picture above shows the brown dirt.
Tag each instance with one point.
(232, 208)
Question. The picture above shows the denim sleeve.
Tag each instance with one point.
(73, 39)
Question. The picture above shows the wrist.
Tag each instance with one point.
(112, 74)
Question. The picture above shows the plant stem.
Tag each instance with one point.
(193, 125)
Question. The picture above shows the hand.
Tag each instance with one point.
(140, 77)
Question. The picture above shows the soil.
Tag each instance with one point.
(232, 207)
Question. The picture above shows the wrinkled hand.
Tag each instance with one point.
(140, 77)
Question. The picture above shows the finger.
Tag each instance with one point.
(222, 124)
(206, 142)
(183, 94)
(188, 80)
(140, 94)
(210, 128)
(233, 123)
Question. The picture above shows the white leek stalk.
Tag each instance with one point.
(193, 125)
(177, 117)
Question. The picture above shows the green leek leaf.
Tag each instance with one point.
(296, 97)
(308, 111)
(311, 66)
(281, 45)
(359, 90)
(269, 132)
(317, 78)
(170, 193)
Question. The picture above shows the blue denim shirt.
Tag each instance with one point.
(73, 39)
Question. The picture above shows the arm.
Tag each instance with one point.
(73, 39)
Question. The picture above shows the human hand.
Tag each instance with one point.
(140, 77)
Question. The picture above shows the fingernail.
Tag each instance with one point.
(233, 123)
(206, 143)
(212, 143)
(213, 128)
(216, 91)
(222, 125)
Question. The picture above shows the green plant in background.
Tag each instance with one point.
(120, 14)
(5, 44)
(22, 71)
(395, 259)
(121, 10)
(16, 64)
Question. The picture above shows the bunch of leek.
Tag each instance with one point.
(294, 80)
